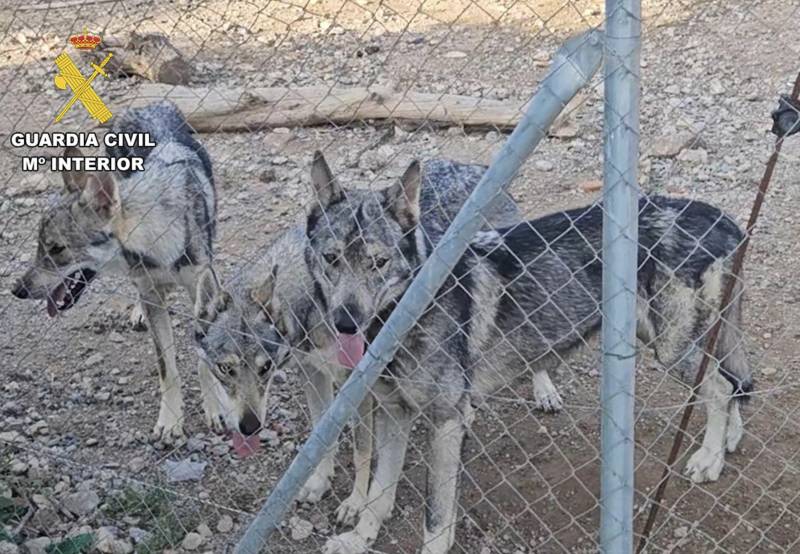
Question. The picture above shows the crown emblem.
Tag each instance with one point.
(85, 40)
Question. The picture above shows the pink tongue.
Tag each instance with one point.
(245, 446)
(54, 298)
(350, 351)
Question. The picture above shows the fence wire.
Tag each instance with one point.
(375, 86)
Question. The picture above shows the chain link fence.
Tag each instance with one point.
(375, 86)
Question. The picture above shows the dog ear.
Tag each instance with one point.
(207, 290)
(74, 180)
(100, 193)
(326, 189)
(402, 198)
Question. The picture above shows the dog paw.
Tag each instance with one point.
(169, 428)
(315, 488)
(705, 466)
(215, 418)
(346, 543)
(548, 400)
(137, 319)
(350, 508)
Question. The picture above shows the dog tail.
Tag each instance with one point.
(730, 347)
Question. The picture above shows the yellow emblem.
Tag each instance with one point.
(70, 75)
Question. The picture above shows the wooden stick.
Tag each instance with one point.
(236, 110)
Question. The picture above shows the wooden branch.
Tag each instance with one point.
(211, 110)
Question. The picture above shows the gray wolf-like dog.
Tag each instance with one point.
(522, 298)
(245, 329)
(154, 226)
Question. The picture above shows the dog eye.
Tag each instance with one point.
(227, 370)
(56, 249)
(330, 257)
(381, 261)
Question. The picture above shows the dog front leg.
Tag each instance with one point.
(169, 427)
(392, 426)
(216, 403)
(319, 393)
(362, 459)
(444, 472)
(706, 464)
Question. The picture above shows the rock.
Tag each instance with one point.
(37, 546)
(45, 519)
(204, 530)
(696, 156)
(716, 87)
(8, 548)
(592, 185)
(669, 146)
(138, 535)
(81, 503)
(19, 467)
(184, 470)
(566, 130)
(192, 541)
(543, 165)
(767, 371)
(12, 437)
(454, 55)
(300, 528)
(93, 360)
(137, 464)
(106, 541)
(681, 532)
(225, 524)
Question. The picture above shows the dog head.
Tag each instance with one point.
(363, 250)
(241, 338)
(75, 240)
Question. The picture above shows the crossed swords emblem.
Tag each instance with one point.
(70, 76)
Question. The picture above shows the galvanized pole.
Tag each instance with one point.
(572, 68)
(620, 242)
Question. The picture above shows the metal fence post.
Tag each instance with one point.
(620, 243)
(573, 66)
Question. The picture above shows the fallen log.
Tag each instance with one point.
(235, 110)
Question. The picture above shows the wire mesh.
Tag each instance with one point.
(272, 82)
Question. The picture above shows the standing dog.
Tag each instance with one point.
(246, 329)
(520, 297)
(155, 226)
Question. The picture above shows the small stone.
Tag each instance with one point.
(592, 185)
(225, 524)
(192, 541)
(769, 371)
(681, 532)
(696, 156)
(92, 442)
(81, 503)
(93, 360)
(543, 165)
(669, 146)
(301, 528)
(12, 437)
(137, 464)
(106, 541)
(138, 535)
(18, 467)
(204, 530)
(8, 548)
(454, 55)
(37, 546)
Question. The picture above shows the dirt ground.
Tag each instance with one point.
(78, 393)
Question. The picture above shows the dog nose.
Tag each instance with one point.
(249, 424)
(343, 320)
(20, 290)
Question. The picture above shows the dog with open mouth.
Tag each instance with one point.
(154, 226)
(273, 311)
